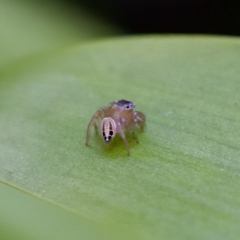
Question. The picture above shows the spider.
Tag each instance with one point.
(117, 117)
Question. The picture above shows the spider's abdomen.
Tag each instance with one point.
(108, 127)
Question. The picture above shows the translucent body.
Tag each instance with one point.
(117, 117)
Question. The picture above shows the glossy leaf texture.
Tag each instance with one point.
(181, 181)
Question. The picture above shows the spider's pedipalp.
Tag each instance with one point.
(108, 128)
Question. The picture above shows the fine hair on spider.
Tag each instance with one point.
(117, 118)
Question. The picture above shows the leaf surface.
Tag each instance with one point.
(182, 179)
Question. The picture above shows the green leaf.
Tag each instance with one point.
(26, 217)
(181, 181)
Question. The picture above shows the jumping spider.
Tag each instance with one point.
(117, 117)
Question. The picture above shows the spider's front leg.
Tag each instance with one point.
(122, 133)
(139, 119)
(94, 122)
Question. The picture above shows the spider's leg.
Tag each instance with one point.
(125, 141)
(139, 119)
(96, 117)
(96, 127)
(135, 136)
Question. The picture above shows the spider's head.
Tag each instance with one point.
(125, 105)
(108, 127)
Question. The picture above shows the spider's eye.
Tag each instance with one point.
(127, 107)
(107, 139)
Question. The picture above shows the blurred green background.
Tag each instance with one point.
(60, 61)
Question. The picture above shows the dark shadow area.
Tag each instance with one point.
(172, 16)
